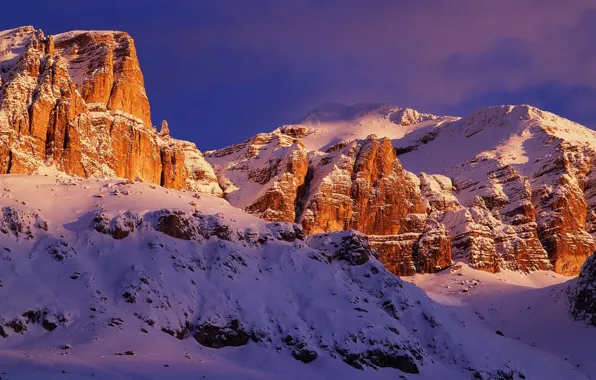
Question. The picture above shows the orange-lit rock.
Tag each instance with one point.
(77, 101)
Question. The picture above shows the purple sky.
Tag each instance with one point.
(220, 71)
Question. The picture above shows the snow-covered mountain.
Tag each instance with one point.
(126, 253)
(332, 123)
(506, 187)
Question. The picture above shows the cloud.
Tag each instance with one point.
(433, 52)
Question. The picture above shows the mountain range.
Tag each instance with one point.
(278, 257)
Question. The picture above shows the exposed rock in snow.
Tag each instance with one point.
(583, 293)
(264, 175)
(524, 176)
(20, 223)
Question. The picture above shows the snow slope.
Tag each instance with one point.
(108, 266)
(332, 123)
(12, 45)
(512, 134)
(531, 308)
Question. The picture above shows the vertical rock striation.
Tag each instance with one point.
(77, 101)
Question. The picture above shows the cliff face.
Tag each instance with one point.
(359, 186)
(77, 101)
(106, 71)
(265, 174)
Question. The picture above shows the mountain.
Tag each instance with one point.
(508, 187)
(77, 101)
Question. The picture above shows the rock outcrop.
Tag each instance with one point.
(77, 101)
(360, 186)
(583, 293)
(264, 175)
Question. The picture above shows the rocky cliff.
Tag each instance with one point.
(77, 101)
(583, 293)
(511, 187)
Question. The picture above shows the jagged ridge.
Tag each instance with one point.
(507, 187)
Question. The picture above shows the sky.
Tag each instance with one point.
(220, 71)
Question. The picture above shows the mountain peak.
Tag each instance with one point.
(331, 123)
(19, 29)
(90, 33)
(77, 101)
(12, 46)
(512, 112)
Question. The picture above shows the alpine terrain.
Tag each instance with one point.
(360, 242)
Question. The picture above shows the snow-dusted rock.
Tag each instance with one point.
(524, 176)
(20, 223)
(264, 175)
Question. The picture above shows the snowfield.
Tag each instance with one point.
(332, 123)
(531, 308)
(116, 279)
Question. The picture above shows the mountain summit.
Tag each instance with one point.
(77, 101)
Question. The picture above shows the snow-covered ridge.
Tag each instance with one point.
(12, 45)
(332, 123)
(75, 33)
(500, 131)
(122, 273)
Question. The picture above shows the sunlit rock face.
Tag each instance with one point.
(264, 175)
(77, 101)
